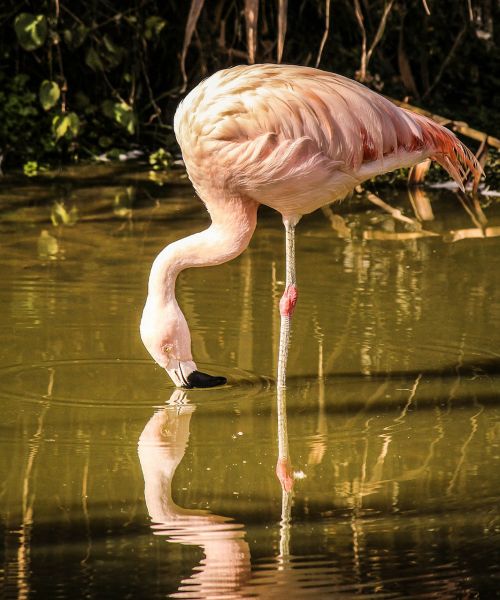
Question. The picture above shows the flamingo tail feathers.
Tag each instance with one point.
(450, 153)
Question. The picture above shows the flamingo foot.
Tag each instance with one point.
(288, 301)
(284, 472)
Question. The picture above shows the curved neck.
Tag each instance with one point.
(233, 223)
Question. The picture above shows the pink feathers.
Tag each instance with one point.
(296, 138)
(449, 152)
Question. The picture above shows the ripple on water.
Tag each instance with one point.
(104, 383)
(443, 353)
(328, 577)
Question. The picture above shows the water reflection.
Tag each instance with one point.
(225, 569)
(285, 474)
(419, 227)
(225, 566)
(284, 469)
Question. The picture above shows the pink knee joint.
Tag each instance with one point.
(288, 301)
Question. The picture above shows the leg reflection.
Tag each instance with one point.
(225, 567)
(284, 469)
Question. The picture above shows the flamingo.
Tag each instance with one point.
(290, 137)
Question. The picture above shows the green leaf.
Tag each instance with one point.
(114, 153)
(160, 159)
(60, 126)
(108, 108)
(120, 112)
(124, 115)
(74, 123)
(30, 168)
(93, 60)
(104, 141)
(75, 37)
(110, 47)
(49, 94)
(112, 54)
(65, 123)
(31, 30)
(68, 37)
(153, 26)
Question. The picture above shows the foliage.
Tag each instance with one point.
(60, 215)
(31, 30)
(81, 79)
(22, 130)
(49, 94)
(30, 168)
(492, 170)
(161, 159)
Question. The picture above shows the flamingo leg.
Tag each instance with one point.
(288, 300)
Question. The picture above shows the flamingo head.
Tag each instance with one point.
(165, 333)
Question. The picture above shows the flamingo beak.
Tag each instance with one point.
(185, 375)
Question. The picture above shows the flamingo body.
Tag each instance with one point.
(290, 137)
(296, 138)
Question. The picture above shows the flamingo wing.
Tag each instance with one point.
(296, 138)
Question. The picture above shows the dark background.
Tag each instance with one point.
(118, 65)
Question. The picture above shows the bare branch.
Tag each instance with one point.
(326, 32)
(359, 17)
(380, 30)
(404, 64)
(282, 22)
(470, 11)
(367, 54)
(446, 61)
(251, 19)
(194, 13)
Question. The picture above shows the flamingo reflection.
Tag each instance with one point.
(225, 567)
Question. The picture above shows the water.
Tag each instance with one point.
(113, 484)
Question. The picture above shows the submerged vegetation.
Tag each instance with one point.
(98, 80)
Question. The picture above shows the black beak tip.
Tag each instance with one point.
(197, 379)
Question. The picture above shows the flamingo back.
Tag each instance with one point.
(296, 138)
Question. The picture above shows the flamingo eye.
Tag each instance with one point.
(167, 348)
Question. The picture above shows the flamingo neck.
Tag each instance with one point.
(233, 223)
(173, 259)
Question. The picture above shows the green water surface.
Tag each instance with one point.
(115, 485)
